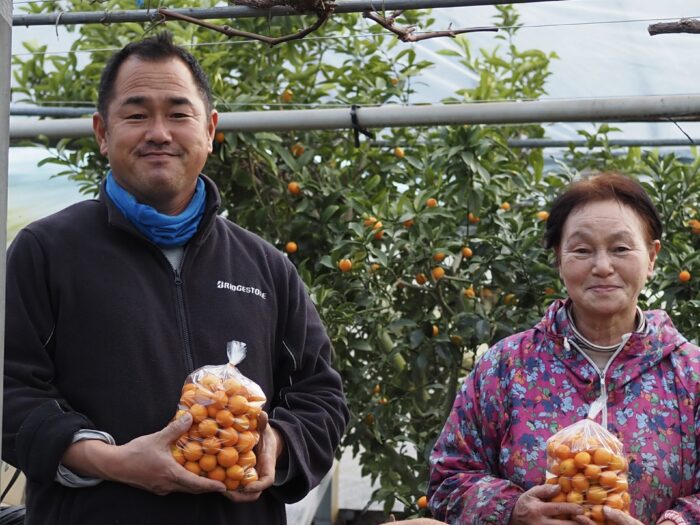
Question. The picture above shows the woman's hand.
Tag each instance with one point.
(532, 508)
(613, 517)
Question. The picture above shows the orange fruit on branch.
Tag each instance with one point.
(297, 149)
(345, 265)
(438, 273)
(287, 96)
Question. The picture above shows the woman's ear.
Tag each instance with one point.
(654, 249)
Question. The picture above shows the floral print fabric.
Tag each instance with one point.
(530, 385)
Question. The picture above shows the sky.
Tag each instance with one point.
(603, 46)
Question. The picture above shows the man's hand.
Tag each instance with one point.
(532, 508)
(145, 462)
(268, 449)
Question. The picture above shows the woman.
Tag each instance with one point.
(488, 465)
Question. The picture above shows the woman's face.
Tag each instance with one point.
(605, 257)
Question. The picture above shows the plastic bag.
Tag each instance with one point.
(225, 406)
(589, 465)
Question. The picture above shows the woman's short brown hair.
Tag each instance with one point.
(602, 187)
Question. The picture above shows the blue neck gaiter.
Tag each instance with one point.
(164, 230)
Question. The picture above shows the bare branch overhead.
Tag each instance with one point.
(685, 25)
(407, 34)
(323, 10)
(322, 16)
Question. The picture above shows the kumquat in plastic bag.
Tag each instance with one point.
(589, 465)
(225, 406)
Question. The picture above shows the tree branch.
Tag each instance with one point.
(406, 34)
(686, 25)
(322, 17)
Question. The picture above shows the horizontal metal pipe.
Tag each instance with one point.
(562, 143)
(614, 109)
(580, 143)
(151, 15)
(53, 112)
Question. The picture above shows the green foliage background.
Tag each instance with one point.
(401, 347)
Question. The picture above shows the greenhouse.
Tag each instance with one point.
(406, 157)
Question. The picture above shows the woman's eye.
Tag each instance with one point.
(621, 249)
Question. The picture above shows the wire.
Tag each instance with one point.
(363, 35)
(332, 104)
(597, 22)
(683, 131)
(336, 37)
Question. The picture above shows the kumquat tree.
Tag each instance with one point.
(420, 248)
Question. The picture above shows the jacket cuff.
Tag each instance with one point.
(288, 468)
(43, 439)
(67, 477)
(675, 517)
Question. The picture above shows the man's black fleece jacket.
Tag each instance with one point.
(101, 332)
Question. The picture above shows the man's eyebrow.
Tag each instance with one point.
(140, 100)
(135, 101)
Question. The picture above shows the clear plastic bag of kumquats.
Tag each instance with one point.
(225, 406)
(589, 464)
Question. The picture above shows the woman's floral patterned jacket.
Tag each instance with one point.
(532, 384)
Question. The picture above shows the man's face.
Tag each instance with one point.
(158, 132)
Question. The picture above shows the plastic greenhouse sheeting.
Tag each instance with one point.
(604, 50)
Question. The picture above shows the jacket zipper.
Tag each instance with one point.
(601, 373)
(183, 320)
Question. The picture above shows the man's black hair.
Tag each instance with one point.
(157, 48)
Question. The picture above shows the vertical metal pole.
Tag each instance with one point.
(5, 63)
(327, 511)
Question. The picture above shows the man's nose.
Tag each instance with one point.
(159, 131)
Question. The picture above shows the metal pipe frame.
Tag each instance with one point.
(5, 75)
(613, 109)
(151, 15)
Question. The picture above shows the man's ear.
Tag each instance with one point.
(211, 128)
(99, 127)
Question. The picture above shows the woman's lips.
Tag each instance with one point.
(604, 288)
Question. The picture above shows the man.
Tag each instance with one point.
(112, 302)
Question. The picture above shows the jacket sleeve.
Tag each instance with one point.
(464, 487)
(309, 408)
(688, 507)
(38, 424)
